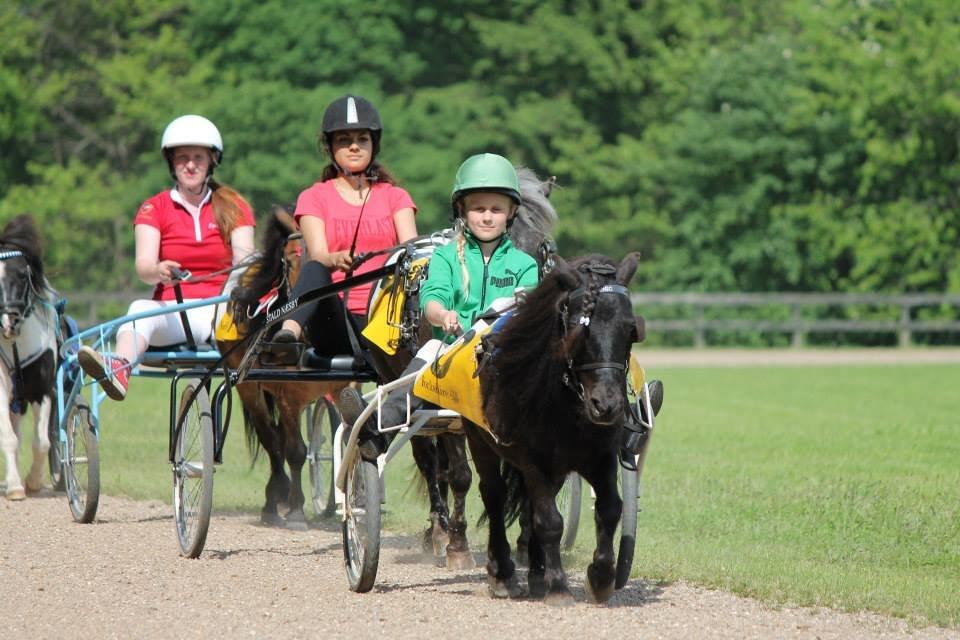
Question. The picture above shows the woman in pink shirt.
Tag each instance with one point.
(355, 208)
(198, 226)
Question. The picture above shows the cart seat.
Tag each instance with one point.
(346, 362)
(180, 356)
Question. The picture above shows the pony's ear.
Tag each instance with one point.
(547, 187)
(628, 267)
(285, 219)
(567, 278)
(639, 329)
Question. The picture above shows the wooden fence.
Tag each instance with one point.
(801, 306)
(88, 308)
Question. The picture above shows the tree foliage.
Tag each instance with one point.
(740, 145)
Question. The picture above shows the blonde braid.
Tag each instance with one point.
(464, 274)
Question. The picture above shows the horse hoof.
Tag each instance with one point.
(16, 494)
(559, 598)
(509, 588)
(296, 522)
(522, 556)
(598, 596)
(537, 584)
(271, 519)
(460, 560)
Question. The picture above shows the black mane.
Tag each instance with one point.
(21, 234)
(267, 270)
(529, 358)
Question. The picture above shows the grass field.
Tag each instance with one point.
(834, 486)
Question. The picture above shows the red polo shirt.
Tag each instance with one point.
(193, 242)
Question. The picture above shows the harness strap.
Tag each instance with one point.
(17, 405)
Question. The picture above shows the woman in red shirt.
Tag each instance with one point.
(355, 208)
(198, 226)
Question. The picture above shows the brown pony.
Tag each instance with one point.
(272, 410)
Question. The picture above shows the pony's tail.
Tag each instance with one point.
(515, 495)
(250, 430)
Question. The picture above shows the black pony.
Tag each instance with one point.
(553, 381)
(28, 347)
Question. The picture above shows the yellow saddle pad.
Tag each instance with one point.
(386, 310)
(451, 382)
(227, 329)
(637, 375)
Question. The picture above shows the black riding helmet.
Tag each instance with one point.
(351, 112)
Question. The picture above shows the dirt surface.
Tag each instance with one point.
(122, 577)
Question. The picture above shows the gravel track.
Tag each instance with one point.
(122, 577)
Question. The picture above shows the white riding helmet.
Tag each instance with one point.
(193, 130)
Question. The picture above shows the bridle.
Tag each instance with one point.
(18, 309)
(570, 376)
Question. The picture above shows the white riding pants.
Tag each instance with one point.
(167, 329)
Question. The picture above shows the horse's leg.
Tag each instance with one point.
(270, 439)
(523, 539)
(436, 536)
(535, 558)
(501, 574)
(607, 509)
(292, 401)
(547, 529)
(9, 443)
(460, 478)
(41, 444)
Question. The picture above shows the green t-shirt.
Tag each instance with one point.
(508, 269)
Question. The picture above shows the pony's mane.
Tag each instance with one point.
(21, 234)
(536, 216)
(266, 271)
(529, 348)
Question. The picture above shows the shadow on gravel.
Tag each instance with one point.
(637, 593)
(220, 554)
(473, 579)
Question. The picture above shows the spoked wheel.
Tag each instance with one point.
(321, 421)
(193, 469)
(361, 525)
(569, 500)
(55, 454)
(81, 456)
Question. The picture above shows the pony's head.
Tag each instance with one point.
(21, 273)
(277, 268)
(599, 329)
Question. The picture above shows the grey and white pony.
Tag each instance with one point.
(28, 351)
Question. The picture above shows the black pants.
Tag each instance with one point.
(325, 321)
(393, 411)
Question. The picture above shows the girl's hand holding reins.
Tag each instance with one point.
(167, 269)
(341, 260)
(450, 323)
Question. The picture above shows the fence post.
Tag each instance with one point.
(699, 337)
(798, 337)
(904, 335)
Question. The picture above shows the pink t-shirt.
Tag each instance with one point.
(195, 244)
(377, 229)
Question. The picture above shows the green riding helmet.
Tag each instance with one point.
(485, 172)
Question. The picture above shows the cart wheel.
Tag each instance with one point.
(568, 503)
(629, 479)
(81, 467)
(55, 454)
(361, 525)
(321, 421)
(193, 469)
